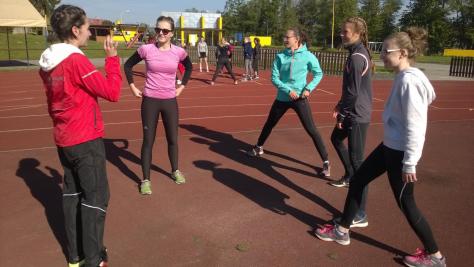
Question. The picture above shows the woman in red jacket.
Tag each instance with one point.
(73, 86)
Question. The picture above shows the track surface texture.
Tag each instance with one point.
(233, 210)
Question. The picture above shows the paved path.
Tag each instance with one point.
(433, 71)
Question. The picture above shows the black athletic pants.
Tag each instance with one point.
(381, 160)
(151, 110)
(85, 199)
(351, 156)
(303, 110)
(220, 64)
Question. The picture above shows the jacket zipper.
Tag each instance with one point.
(291, 65)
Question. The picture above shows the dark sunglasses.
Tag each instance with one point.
(164, 31)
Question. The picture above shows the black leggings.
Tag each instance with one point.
(303, 110)
(351, 156)
(151, 109)
(223, 63)
(381, 160)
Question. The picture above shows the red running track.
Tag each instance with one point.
(233, 211)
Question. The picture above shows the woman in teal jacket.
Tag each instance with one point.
(290, 68)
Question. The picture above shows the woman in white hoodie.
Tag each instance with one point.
(405, 120)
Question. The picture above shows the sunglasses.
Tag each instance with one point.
(164, 31)
(388, 51)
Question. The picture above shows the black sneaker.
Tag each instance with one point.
(343, 182)
(356, 223)
(104, 257)
(256, 151)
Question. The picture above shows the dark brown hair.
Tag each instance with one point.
(302, 37)
(64, 18)
(167, 19)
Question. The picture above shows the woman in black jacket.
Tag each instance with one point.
(222, 55)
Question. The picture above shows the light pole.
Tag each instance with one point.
(266, 24)
(121, 15)
(332, 32)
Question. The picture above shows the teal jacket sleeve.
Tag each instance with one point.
(276, 76)
(315, 68)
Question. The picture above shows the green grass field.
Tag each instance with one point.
(37, 43)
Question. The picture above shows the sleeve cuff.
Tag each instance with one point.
(409, 168)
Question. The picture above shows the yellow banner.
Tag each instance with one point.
(264, 40)
(458, 53)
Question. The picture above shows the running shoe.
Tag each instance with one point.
(145, 187)
(77, 264)
(329, 232)
(343, 182)
(104, 257)
(422, 259)
(326, 172)
(256, 151)
(178, 177)
(356, 223)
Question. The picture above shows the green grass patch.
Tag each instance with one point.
(379, 69)
(37, 44)
(436, 59)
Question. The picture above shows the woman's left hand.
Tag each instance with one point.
(179, 90)
(409, 177)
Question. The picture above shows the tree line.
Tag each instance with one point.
(449, 22)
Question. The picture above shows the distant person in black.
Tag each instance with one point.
(256, 56)
(222, 55)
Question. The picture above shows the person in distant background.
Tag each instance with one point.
(222, 55)
(203, 52)
(256, 56)
(248, 55)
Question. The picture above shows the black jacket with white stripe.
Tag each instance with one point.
(356, 98)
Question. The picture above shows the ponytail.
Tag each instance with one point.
(360, 26)
(301, 36)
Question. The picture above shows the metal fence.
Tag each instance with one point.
(462, 67)
(332, 63)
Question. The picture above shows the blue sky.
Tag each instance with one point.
(140, 10)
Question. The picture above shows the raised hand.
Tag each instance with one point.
(110, 47)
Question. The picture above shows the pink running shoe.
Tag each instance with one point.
(423, 259)
(329, 233)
